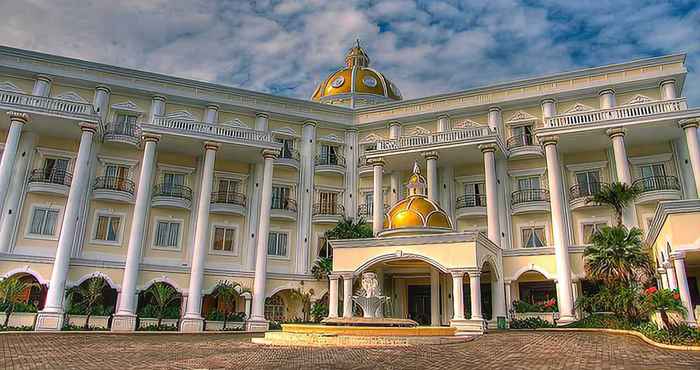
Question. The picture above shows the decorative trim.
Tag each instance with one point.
(664, 209)
(587, 166)
(105, 160)
(9, 86)
(71, 96)
(180, 114)
(469, 236)
(371, 138)
(417, 131)
(639, 99)
(285, 131)
(128, 106)
(528, 172)
(162, 167)
(521, 116)
(50, 152)
(331, 138)
(236, 123)
(465, 124)
(578, 108)
(655, 158)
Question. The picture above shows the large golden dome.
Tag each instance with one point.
(356, 84)
(416, 214)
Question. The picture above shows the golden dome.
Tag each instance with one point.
(416, 213)
(356, 83)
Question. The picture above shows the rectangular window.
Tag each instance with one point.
(590, 229)
(107, 228)
(228, 186)
(173, 179)
(280, 197)
(44, 221)
(474, 192)
(328, 154)
(529, 183)
(126, 119)
(652, 170)
(277, 244)
(588, 182)
(533, 237)
(327, 202)
(55, 170)
(523, 134)
(167, 234)
(287, 146)
(224, 239)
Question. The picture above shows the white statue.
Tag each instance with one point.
(370, 285)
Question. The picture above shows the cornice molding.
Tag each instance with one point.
(664, 209)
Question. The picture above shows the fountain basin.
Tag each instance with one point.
(366, 321)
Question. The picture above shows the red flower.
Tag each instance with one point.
(650, 290)
(676, 296)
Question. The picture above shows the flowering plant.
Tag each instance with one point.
(663, 301)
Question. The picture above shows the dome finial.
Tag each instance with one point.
(356, 56)
(416, 183)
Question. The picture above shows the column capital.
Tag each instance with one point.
(149, 137)
(374, 162)
(18, 117)
(677, 255)
(87, 126)
(45, 78)
(548, 140)
(457, 273)
(495, 108)
(394, 123)
(310, 122)
(346, 275)
(430, 155)
(667, 81)
(104, 88)
(159, 98)
(334, 276)
(615, 132)
(486, 148)
(507, 282)
(607, 90)
(214, 106)
(443, 115)
(689, 122)
(211, 145)
(262, 115)
(547, 100)
(474, 274)
(270, 153)
(661, 271)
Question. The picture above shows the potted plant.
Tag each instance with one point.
(666, 304)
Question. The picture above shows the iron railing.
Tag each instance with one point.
(586, 190)
(121, 130)
(529, 195)
(654, 183)
(520, 141)
(284, 204)
(228, 197)
(471, 200)
(330, 160)
(368, 209)
(115, 183)
(172, 190)
(289, 153)
(328, 209)
(51, 176)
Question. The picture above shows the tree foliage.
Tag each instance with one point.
(616, 255)
(11, 294)
(163, 295)
(616, 195)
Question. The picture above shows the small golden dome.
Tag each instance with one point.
(416, 213)
(356, 83)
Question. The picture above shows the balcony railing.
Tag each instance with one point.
(171, 190)
(368, 209)
(114, 183)
(586, 190)
(51, 176)
(289, 153)
(626, 111)
(130, 132)
(520, 141)
(330, 160)
(284, 204)
(331, 209)
(230, 132)
(47, 105)
(529, 195)
(434, 138)
(655, 183)
(228, 197)
(362, 161)
(471, 200)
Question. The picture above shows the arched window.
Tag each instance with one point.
(274, 308)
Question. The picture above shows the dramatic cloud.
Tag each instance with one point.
(426, 47)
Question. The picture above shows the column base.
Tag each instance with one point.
(257, 325)
(124, 323)
(564, 320)
(468, 326)
(192, 325)
(49, 321)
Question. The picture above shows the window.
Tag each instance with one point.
(652, 170)
(529, 183)
(274, 308)
(116, 177)
(124, 119)
(280, 197)
(228, 186)
(474, 192)
(324, 249)
(523, 134)
(167, 234)
(44, 221)
(329, 154)
(107, 228)
(287, 147)
(327, 202)
(369, 201)
(224, 239)
(277, 244)
(588, 182)
(533, 237)
(591, 228)
(55, 170)
(173, 179)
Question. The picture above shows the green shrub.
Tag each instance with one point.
(319, 311)
(151, 311)
(155, 327)
(69, 327)
(16, 328)
(522, 306)
(530, 323)
(680, 335)
(97, 310)
(19, 307)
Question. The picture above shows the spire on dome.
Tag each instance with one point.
(356, 56)
(417, 185)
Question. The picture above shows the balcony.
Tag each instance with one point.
(50, 181)
(367, 210)
(284, 209)
(289, 157)
(172, 196)
(49, 106)
(580, 194)
(617, 113)
(112, 188)
(364, 166)
(470, 205)
(523, 146)
(125, 133)
(529, 201)
(658, 188)
(228, 202)
(327, 213)
(434, 140)
(208, 131)
(330, 164)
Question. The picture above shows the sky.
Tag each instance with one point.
(287, 47)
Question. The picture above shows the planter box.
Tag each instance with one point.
(18, 319)
(143, 322)
(219, 325)
(550, 317)
(101, 322)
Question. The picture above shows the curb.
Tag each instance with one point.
(623, 332)
(108, 332)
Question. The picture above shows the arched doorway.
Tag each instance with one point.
(225, 299)
(34, 296)
(534, 295)
(152, 310)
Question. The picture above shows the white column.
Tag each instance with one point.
(333, 295)
(351, 174)
(668, 90)
(498, 301)
(447, 191)
(101, 101)
(549, 108)
(678, 259)
(432, 178)
(15, 193)
(254, 190)
(662, 281)
(257, 320)
(51, 317)
(475, 295)
(496, 119)
(347, 296)
(377, 195)
(395, 187)
(574, 290)
(247, 305)
(394, 130)
(157, 107)
(9, 153)
(443, 123)
(193, 321)
(211, 114)
(607, 99)
(434, 297)
(561, 244)
(458, 295)
(306, 189)
(491, 183)
(125, 317)
(622, 168)
(671, 276)
(42, 86)
(690, 127)
(509, 296)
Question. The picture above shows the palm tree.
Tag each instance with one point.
(90, 293)
(305, 299)
(322, 267)
(616, 255)
(12, 292)
(163, 295)
(617, 195)
(226, 291)
(347, 228)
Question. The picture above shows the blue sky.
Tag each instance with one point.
(426, 47)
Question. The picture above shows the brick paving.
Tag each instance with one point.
(504, 350)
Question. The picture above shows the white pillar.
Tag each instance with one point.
(254, 190)
(42, 86)
(125, 317)
(678, 258)
(211, 113)
(394, 130)
(496, 119)
(101, 101)
(491, 183)
(671, 276)
(306, 187)
(458, 295)
(395, 185)
(157, 107)
(15, 194)
(432, 178)
(607, 99)
(333, 295)
(498, 301)
(9, 153)
(443, 123)
(549, 108)
(247, 305)
(351, 174)
(662, 281)
(668, 90)
(475, 295)
(622, 167)
(434, 297)
(561, 243)
(377, 195)
(447, 191)
(257, 320)
(51, 317)
(574, 290)
(509, 296)
(193, 321)
(690, 127)
(347, 296)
